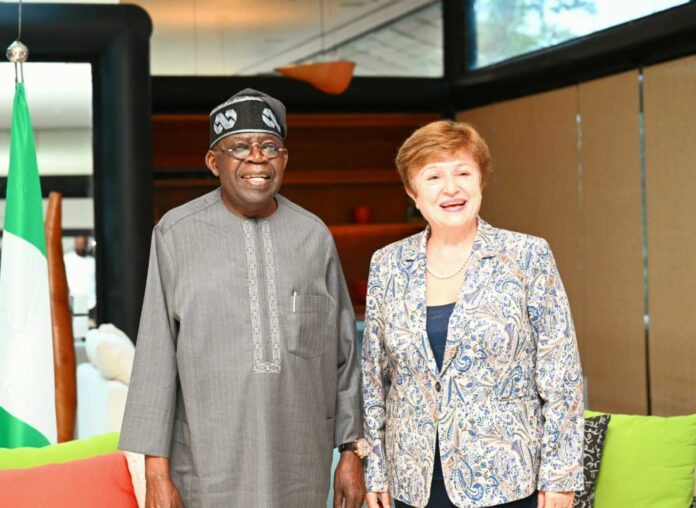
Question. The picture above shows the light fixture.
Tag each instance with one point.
(331, 77)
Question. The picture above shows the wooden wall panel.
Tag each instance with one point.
(338, 162)
(334, 204)
(315, 142)
(614, 339)
(593, 221)
(670, 133)
(535, 186)
(483, 120)
(357, 242)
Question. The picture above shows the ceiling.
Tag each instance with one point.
(233, 37)
(225, 37)
(410, 45)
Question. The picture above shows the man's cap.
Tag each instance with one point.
(248, 111)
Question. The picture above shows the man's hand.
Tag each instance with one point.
(160, 491)
(349, 482)
(555, 499)
(375, 498)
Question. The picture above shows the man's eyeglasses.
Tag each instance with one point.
(241, 151)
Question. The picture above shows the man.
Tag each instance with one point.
(246, 372)
(80, 269)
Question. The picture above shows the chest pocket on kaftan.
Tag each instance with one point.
(311, 321)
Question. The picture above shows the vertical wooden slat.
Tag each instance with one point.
(614, 340)
(535, 185)
(483, 120)
(670, 134)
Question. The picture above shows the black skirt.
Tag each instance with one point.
(440, 499)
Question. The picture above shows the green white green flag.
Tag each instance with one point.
(27, 386)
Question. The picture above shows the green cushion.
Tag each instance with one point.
(648, 461)
(20, 458)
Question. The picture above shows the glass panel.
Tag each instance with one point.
(214, 38)
(59, 96)
(410, 46)
(508, 28)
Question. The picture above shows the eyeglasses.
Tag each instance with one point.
(241, 150)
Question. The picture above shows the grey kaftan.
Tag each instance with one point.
(246, 371)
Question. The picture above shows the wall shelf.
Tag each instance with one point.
(343, 161)
(300, 177)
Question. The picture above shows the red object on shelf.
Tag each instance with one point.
(356, 243)
(361, 214)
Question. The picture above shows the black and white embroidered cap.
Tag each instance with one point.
(248, 111)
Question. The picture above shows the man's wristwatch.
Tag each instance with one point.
(360, 447)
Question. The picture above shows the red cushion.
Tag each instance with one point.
(102, 481)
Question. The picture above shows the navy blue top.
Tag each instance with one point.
(436, 326)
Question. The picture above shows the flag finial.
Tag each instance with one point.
(18, 53)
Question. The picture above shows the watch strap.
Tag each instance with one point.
(347, 447)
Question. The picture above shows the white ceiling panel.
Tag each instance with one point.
(234, 37)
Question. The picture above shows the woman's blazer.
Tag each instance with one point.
(508, 402)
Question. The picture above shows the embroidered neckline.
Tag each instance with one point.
(261, 366)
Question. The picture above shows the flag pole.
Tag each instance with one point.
(27, 365)
(17, 52)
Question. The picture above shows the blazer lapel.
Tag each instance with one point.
(478, 274)
(413, 257)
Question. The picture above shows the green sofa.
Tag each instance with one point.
(647, 461)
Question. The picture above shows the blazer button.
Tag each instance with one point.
(437, 386)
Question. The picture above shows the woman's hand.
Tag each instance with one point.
(375, 498)
(555, 499)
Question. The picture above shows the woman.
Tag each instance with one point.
(471, 376)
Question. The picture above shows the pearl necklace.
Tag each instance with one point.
(444, 277)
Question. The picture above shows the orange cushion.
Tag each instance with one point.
(102, 481)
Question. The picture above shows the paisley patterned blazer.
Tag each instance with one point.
(508, 402)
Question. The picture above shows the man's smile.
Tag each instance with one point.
(257, 178)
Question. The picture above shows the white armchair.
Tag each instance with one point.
(102, 382)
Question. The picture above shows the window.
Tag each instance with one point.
(504, 29)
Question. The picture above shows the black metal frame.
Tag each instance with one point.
(662, 36)
(190, 94)
(115, 40)
(69, 186)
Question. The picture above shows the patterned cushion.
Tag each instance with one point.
(595, 432)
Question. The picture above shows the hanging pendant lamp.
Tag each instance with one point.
(331, 77)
